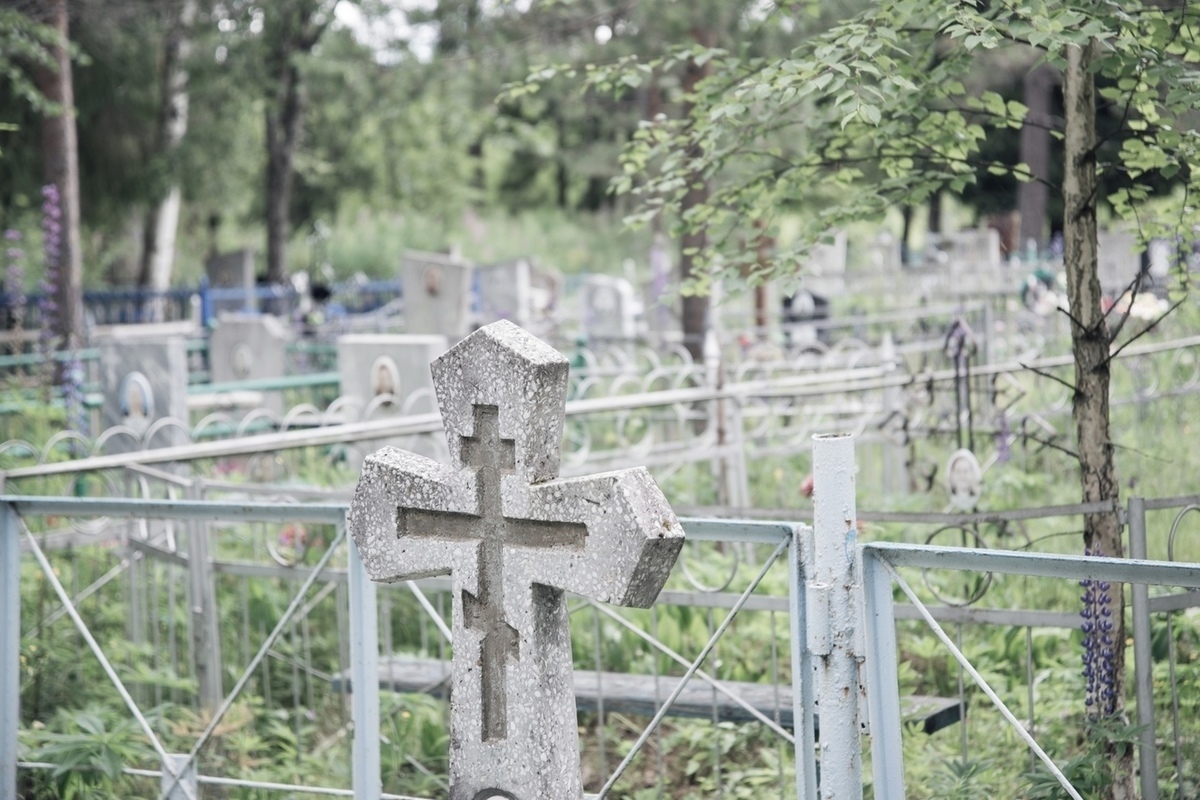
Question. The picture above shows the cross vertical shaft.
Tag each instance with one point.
(491, 457)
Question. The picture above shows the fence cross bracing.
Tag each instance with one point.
(821, 620)
(178, 772)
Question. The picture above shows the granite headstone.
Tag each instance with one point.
(437, 294)
(249, 347)
(231, 282)
(145, 378)
(505, 292)
(1119, 260)
(610, 308)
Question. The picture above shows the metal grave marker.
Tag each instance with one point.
(515, 539)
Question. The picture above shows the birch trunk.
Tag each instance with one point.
(162, 219)
(695, 307)
(1090, 346)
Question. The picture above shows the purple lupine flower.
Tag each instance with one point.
(14, 284)
(52, 258)
(72, 388)
(1098, 651)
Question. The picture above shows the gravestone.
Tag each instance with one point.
(658, 303)
(249, 347)
(514, 539)
(371, 365)
(545, 291)
(381, 373)
(969, 250)
(144, 372)
(437, 294)
(610, 308)
(1118, 260)
(826, 273)
(1159, 254)
(885, 253)
(231, 282)
(505, 292)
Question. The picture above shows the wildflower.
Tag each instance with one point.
(1098, 652)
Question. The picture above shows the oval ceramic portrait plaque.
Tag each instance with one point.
(964, 479)
(136, 397)
(385, 377)
(243, 361)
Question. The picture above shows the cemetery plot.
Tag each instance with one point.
(741, 445)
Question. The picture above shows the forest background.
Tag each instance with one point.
(321, 132)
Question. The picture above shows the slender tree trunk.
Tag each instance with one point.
(283, 131)
(906, 215)
(562, 174)
(1090, 345)
(764, 244)
(162, 218)
(60, 154)
(1035, 151)
(695, 307)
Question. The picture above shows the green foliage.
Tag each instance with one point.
(89, 748)
(880, 110)
(1090, 771)
(25, 42)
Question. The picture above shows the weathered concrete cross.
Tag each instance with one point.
(515, 540)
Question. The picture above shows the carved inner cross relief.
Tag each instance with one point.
(483, 611)
(515, 539)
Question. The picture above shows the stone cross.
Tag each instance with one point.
(515, 540)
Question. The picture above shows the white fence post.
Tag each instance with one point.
(10, 649)
(1143, 660)
(206, 632)
(833, 594)
(803, 676)
(882, 683)
(364, 678)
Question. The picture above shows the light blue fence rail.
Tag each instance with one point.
(177, 771)
(841, 606)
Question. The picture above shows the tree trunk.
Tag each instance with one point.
(562, 174)
(1090, 345)
(60, 153)
(935, 213)
(283, 130)
(695, 307)
(1035, 152)
(765, 243)
(162, 218)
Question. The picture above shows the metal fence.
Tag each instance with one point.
(841, 635)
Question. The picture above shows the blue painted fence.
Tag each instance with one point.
(135, 306)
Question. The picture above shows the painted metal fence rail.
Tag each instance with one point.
(841, 604)
(178, 771)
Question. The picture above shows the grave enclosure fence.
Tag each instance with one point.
(677, 419)
(205, 557)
